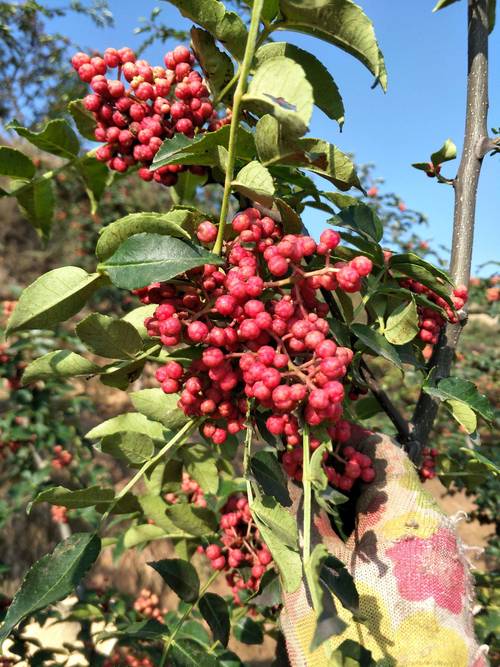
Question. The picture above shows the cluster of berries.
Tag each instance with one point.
(428, 467)
(342, 467)
(242, 547)
(9, 446)
(122, 657)
(158, 103)
(59, 514)
(191, 489)
(62, 458)
(147, 604)
(261, 338)
(430, 321)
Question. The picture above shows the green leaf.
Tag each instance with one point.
(75, 499)
(227, 27)
(320, 157)
(84, 119)
(280, 87)
(278, 519)
(352, 654)
(15, 164)
(141, 535)
(54, 297)
(377, 343)
(340, 200)
(180, 576)
(442, 4)
(217, 66)
(197, 521)
(113, 235)
(269, 475)
(201, 466)
(59, 364)
(463, 414)
(137, 316)
(248, 631)
(402, 259)
(108, 337)
(339, 22)
(188, 652)
(121, 374)
(214, 610)
(362, 219)
(146, 258)
(160, 407)
(202, 148)
(367, 407)
(325, 91)
(154, 508)
(37, 202)
(129, 422)
(133, 448)
(402, 324)
(448, 151)
(465, 391)
(96, 177)
(255, 182)
(339, 581)
(57, 138)
(52, 578)
(151, 630)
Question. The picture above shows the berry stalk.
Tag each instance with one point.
(307, 489)
(233, 132)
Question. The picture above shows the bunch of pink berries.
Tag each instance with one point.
(159, 102)
(191, 489)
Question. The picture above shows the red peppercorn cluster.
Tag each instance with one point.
(147, 604)
(159, 102)
(122, 657)
(261, 338)
(59, 514)
(191, 489)
(342, 467)
(431, 322)
(428, 467)
(241, 547)
(62, 458)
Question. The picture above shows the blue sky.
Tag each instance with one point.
(426, 60)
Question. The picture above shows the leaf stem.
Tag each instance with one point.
(235, 120)
(184, 616)
(306, 483)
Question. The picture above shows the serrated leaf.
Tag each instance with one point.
(248, 631)
(227, 27)
(52, 578)
(339, 22)
(75, 498)
(325, 91)
(255, 182)
(280, 87)
(453, 388)
(214, 610)
(52, 298)
(216, 65)
(84, 119)
(130, 421)
(269, 476)
(402, 324)
(59, 364)
(113, 235)
(362, 219)
(274, 147)
(108, 337)
(56, 137)
(448, 151)
(377, 343)
(277, 519)
(146, 258)
(188, 652)
(196, 521)
(201, 149)
(37, 203)
(15, 164)
(463, 414)
(201, 466)
(133, 448)
(180, 576)
(142, 534)
(160, 407)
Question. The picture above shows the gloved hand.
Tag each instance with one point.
(409, 567)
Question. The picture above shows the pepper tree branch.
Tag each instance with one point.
(465, 184)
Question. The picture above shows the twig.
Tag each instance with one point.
(476, 134)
